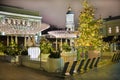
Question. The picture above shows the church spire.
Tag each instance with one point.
(69, 10)
(70, 20)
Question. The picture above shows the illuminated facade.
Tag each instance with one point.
(15, 22)
(111, 32)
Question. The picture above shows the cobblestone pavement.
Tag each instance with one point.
(107, 72)
(10, 71)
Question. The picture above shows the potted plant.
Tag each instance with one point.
(55, 62)
(12, 51)
(66, 47)
(50, 55)
(2, 48)
(54, 54)
(45, 48)
(24, 52)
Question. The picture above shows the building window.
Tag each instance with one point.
(110, 30)
(117, 29)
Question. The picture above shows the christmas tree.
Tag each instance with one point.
(89, 35)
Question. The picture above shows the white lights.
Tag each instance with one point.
(2, 33)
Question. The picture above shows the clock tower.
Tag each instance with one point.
(70, 20)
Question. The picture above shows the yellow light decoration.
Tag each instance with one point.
(89, 28)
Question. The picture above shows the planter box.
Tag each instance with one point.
(93, 54)
(68, 56)
(55, 64)
(12, 59)
(2, 57)
(44, 57)
(26, 61)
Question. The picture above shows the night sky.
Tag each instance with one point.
(54, 11)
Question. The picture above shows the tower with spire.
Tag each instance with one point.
(70, 26)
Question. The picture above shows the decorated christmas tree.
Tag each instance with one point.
(89, 35)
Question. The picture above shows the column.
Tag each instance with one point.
(56, 44)
(33, 41)
(7, 40)
(66, 40)
(12, 39)
(61, 44)
(16, 39)
(25, 41)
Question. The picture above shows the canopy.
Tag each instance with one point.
(11, 30)
(20, 24)
(62, 34)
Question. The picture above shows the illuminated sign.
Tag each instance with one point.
(34, 52)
